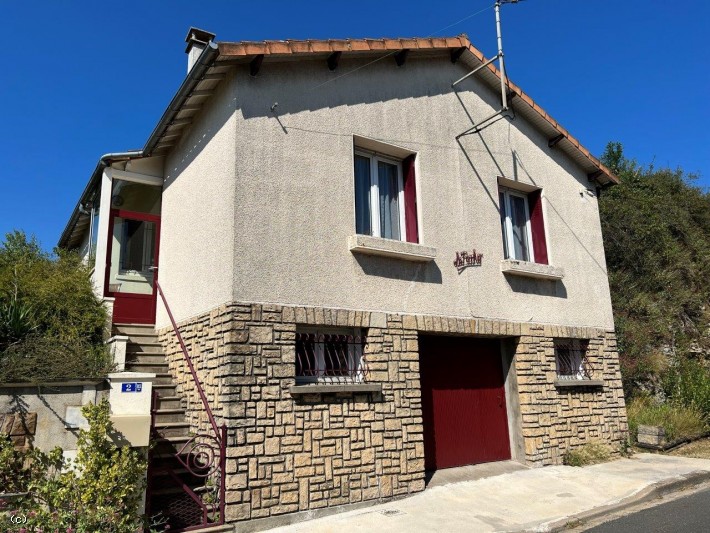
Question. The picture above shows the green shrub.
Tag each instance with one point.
(678, 421)
(656, 227)
(48, 310)
(36, 358)
(99, 491)
(688, 383)
(588, 454)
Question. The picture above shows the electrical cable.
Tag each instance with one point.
(397, 51)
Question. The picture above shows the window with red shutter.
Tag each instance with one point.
(522, 225)
(385, 196)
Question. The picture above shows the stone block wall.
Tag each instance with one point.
(302, 452)
(557, 419)
(287, 452)
(20, 428)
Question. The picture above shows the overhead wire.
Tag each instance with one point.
(356, 69)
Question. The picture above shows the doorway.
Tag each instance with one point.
(132, 266)
(463, 401)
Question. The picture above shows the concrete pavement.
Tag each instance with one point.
(540, 499)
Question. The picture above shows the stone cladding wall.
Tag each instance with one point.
(301, 452)
(557, 419)
(20, 428)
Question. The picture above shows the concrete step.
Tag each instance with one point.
(165, 389)
(144, 347)
(169, 402)
(133, 329)
(163, 378)
(139, 338)
(169, 415)
(172, 429)
(158, 367)
(140, 357)
(169, 445)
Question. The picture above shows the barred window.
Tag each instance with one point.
(329, 355)
(572, 362)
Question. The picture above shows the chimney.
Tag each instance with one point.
(196, 40)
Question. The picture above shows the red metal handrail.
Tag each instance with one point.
(188, 360)
(220, 434)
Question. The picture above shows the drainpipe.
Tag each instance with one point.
(83, 211)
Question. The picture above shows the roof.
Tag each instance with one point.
(459, 45)
(217, 58)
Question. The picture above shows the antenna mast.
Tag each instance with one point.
(501, 64)
(501, 67)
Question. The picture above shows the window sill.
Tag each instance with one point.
(408, 251)
(565, 383)
(332, 388)
(531, 270)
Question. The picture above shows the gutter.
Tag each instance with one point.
(94, 180)
(198, 70)
(203, 63)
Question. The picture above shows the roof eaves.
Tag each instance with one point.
(540, 111)
(94, 180)
(204, 61)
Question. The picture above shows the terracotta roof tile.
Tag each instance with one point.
(247, 48)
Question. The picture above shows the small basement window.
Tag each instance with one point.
(572, 360)
(330, 355)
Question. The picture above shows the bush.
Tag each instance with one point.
(99, 491)
(588, 454)
(677, 420)
(48, 314)
(656, 226)
(35, 358)
(688, 383)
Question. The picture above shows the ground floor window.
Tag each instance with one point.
(572, 360)
(329, 355)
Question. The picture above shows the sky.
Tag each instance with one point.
(79, 79)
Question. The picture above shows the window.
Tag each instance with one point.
(522, 226)
(329, 355)
(385, 197)
(137, 246)
(571, 357)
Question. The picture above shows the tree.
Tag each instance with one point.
(48, 313)
(656, 226)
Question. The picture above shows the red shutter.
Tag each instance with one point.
(537, 227)
(410, 199)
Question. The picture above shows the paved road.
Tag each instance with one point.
(690, 514)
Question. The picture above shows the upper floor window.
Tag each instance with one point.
(522, 225)
(385, 197)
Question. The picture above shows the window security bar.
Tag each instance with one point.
(573, 363)
(330, 358)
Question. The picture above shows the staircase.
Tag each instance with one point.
(170, 483)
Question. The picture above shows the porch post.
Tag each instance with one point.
(102, 236)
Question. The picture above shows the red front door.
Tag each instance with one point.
(132, 266)
(463, 401)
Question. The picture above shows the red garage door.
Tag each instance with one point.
(463, 401)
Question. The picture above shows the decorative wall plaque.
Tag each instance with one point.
(467, 259)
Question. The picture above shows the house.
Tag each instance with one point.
(371, 283)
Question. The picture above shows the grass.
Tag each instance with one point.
(700, 449)
(678, 421)
(590, 453)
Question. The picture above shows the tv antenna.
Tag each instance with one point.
(501, 67)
